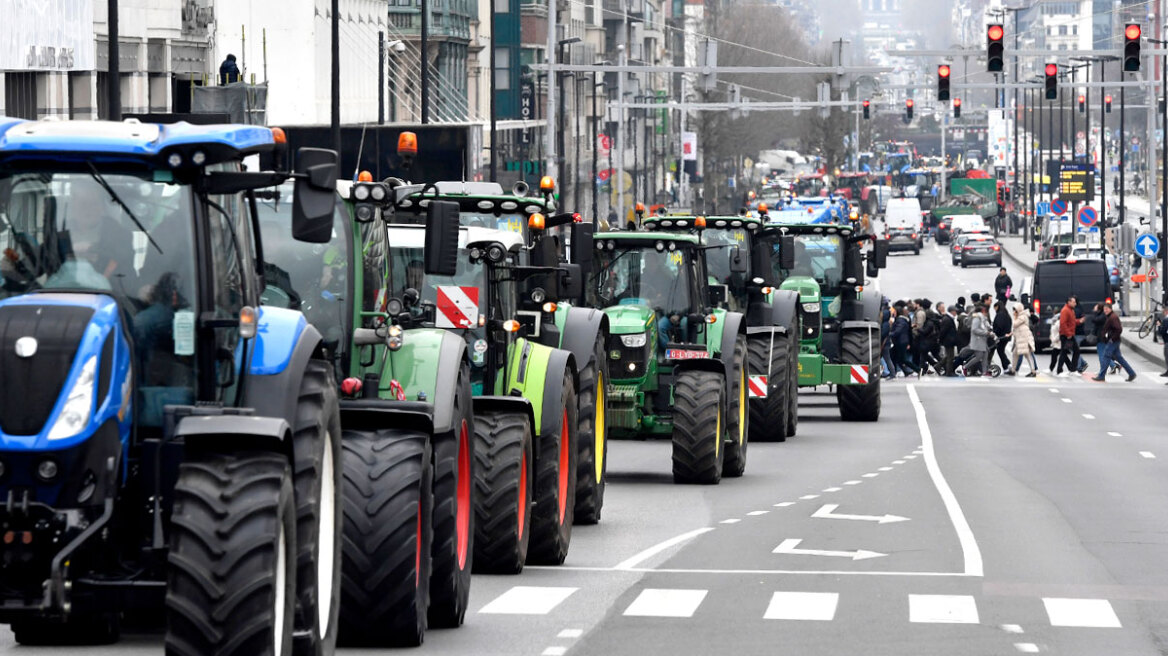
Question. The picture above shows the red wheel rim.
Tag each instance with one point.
(418, 548)
(462, 518)
(522, 492)
(565, 462)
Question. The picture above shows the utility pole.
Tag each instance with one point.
(551, 126)
(1122, 149)
(114, 77)
(380, 77)
(335, 104)
(424, 68)
(621, 128)
(1104, 219)
(494, 110)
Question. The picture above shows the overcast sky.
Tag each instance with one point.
(930, 17)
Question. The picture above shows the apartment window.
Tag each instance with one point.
(20, 95)
(502, 69)
(502, 6)
(1062, 30)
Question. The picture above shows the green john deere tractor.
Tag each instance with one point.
(739, 261)
(678, 361)
(551, 242)
(840, 340)
(526, 425)
(407, 453)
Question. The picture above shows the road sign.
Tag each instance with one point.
(1152, 274)
(1058, 206)
(1147, 246)
(1042, 208)
(1087, 216)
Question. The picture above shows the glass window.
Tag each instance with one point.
(820, 257)
(642, 276)
(718, 261)
(502, 69)
(375, 254)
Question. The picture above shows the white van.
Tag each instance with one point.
(960, 223)
(903, 213)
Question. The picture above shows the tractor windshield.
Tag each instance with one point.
(643, 275)
(510, 222)
(724, 243)
(820, 257)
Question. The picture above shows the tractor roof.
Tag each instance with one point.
(472, 196)
(809, 229)
(666, 223)
(130, 139)
(414, 236)
(648, 237)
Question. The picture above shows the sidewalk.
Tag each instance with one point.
(1022, 257)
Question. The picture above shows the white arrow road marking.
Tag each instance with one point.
(788, 547)
(827, 511)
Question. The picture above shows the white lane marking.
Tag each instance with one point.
(869, 475)
(730, 521)
(827, 511)
(754, 572)
(832, 489)
(1087, 416)
(789, 547)
(527, 600)
(852, 482)
(973, 562)
(1053, 390)
(554, 651)
(1026, 647)
(942, 609)
(784, 504)
(1012, 628)
(1065, 400)
(898, 462)
(570, 634)
(1093, 613)
(755, 513)
(656, 602)
(639, 558)
(818, 606)
(809, 496)
(1114, 434)
(911, 456)
(885, 469)
(1148, 454)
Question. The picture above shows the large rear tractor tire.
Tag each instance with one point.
(699, 402)
(317, 484)
(453, 514)
(770, 356)
(592, 462)
(555, 485)
(503, 456)
(737, 414)
(388, 495)
(231, 584)
(793, 394)
(860, 402)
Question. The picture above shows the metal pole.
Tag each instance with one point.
(381, 78)
(595, 171)
(494, 108)
(576, 141)
(561, 153)
(1104, 217)
(1122, 151)
(621, 128)
(1164, 173)
(113, 77)
(553, 78)
(335, 104)
(424, 38)
(944, 166)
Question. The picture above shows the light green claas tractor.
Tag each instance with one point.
(739, 261)
(839, 344)
(678, 361)
(551, 241)
(526, 426)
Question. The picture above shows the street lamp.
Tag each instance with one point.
(560, 154)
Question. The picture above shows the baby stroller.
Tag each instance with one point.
(966, 361)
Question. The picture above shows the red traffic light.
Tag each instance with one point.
(866, 103)
(1107, 99)
(1132, 32)
(943, 70)
(1082, 98)
(1052, 69)
(908, 103)
(956, 102)
(995, 32)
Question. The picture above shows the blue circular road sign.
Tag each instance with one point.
(1059, 206)
(1087, 216)
(1147, 246)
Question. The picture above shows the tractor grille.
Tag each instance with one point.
(622, 409)
(29, 387)
(621, 356)
(811, 327)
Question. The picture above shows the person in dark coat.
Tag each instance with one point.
(1109, 351)
(1003, 286)
(1003, 326)
(229, 71)
(885, 344)
(960, 305)
(929, 339)
(947, 338)
(901, 338)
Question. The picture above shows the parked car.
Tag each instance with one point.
(980, 249)
(959, 223)
(904, 238)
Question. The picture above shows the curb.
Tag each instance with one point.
(1133, 344)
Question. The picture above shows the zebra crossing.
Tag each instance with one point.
(805, 606)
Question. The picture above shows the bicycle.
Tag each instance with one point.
(1151, 321)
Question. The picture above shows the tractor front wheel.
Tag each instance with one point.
(860, 402)
(769, 355)
(453, 513)
(699, 402)
(592, 462)
(555, 484)
(738, 417)
(503, 456)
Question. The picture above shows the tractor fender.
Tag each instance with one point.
(232, 432)
(559, 363)
(700, 364)
(579, 333)
(429, 362)
(278, 364)
(514, 404)
(377, 414)
(735, 325)
(860, 325)
(869, 307)
(785, 309)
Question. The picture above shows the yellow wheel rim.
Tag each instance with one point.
(742, 409)
(598, 429)
(718, 433)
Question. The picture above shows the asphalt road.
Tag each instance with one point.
(976, 517)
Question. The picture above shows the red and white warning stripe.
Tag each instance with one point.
(757, 386)
(458, 307)
(860, 374)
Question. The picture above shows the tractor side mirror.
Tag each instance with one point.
(871, 269)
(314, 199)
(571, 282)
(441, 246)
(880, 252)
(582, 245)
(854, 267)
(787, 252)
(760, 261)
(737, 260)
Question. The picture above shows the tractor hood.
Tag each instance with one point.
(805, 286)
(629, 319)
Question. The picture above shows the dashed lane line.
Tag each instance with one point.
(1148, 454)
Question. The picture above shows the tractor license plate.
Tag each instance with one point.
(685, 354)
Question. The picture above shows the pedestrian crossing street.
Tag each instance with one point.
(787, 605)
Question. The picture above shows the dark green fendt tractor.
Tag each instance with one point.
(839, 344)
(677, 359)
(739, 257)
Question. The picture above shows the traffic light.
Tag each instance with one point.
(908, 105)
(956, 108)
(994, 48)
(943, 82)
(1107, 104)
(1131, 47)
(866, 114)
(1082, 103)
(1052, 81)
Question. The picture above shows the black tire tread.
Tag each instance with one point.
(449, 584)
(589, 490)
(860, 402)
(551, 537)
(734, 460)
(768, 417)
(697, 400)
(501, 440)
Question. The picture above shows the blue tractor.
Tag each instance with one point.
(169, 447)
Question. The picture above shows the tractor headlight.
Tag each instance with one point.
(78, 405)
(378, 193)
(633, 341)
(361, 192)
(47, 470)
(811, 307)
